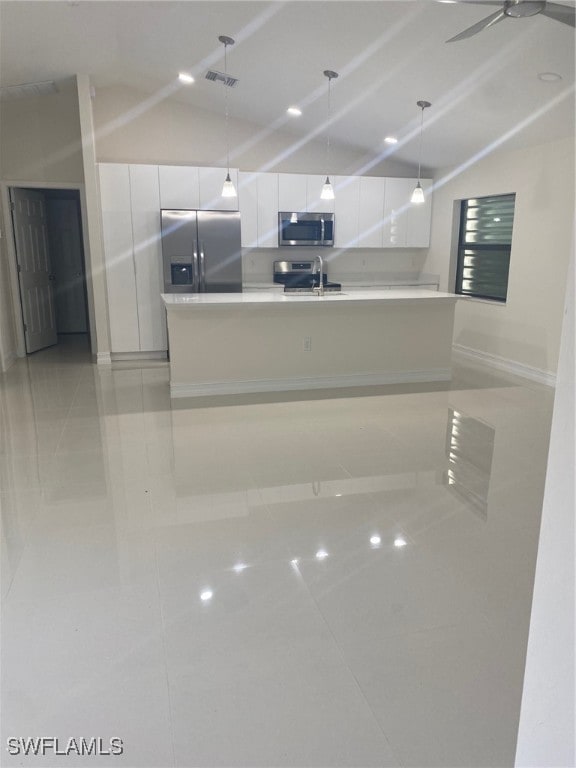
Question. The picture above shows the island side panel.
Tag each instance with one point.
(227, 349)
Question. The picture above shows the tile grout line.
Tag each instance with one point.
(400, 764)
(165, 659)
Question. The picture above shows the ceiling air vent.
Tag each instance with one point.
(220, 77)
(27, 90)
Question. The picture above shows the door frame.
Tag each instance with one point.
(5, 187)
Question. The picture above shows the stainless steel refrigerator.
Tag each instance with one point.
(201, 251)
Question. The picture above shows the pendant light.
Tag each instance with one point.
(327, 190)
(418, 194)
(228, 190)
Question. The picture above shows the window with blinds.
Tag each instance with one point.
(484, 247)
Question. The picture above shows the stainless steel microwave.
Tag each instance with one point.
(296, 228)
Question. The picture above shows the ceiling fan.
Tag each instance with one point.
(517, 9)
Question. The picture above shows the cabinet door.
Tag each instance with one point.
(292, 192)
(268, 210)
(396, 209)
(248, 200)
(419, 216)
(179, 187)
(314, 202)
(119, 257)
(371, 216)
(211, 182)
(145, 201)
(346, 211)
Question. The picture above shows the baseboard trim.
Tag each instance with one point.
(8, 361)
(126, 356)
(242, 387)
(503, 364)
(103, 358)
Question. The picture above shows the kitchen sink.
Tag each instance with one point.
(296, 292)
(307, 291)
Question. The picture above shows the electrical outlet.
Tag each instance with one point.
(307, 343)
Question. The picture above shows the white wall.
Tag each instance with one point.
(40, 138)
(547, 730)
(7, 330)
(132, 127)
(39, 142)
(526, 329)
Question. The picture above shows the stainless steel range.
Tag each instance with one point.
(301, 277)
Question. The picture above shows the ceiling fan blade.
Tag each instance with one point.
(494, 18)
(563, 13)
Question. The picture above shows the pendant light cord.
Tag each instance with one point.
(226, 108)
(421, 134)
(328, 127)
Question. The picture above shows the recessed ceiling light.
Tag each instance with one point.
(206, 595)
(391, 140)
(321, 554)
(549, 77)
(294, 111)
(184, 77)
(375, 540)
(399, 542)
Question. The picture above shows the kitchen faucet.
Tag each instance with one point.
(320, 286)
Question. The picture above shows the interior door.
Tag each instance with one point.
(34, 268)
(65, 239)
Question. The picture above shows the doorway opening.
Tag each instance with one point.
(50, 261)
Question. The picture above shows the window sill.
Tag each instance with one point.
(492, 302)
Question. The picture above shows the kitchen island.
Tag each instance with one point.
(268, 341)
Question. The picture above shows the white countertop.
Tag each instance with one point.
(176, 301)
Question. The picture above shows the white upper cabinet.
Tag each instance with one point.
(371, 217)
(407, 224)
(292, 192)
(147, 246)
(179, 187)
(397, 205)
(314, 202)
(419, 217)
(258, 196)
(248, 200)
(268, 210)
(346, 211)
(211, 181)
(119, 257)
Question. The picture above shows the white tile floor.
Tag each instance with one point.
(324, 579)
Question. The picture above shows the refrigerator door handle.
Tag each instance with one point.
(202, 269)
(195, 271)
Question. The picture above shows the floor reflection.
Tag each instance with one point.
(469, 451)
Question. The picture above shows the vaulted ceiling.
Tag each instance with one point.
(485, 91)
